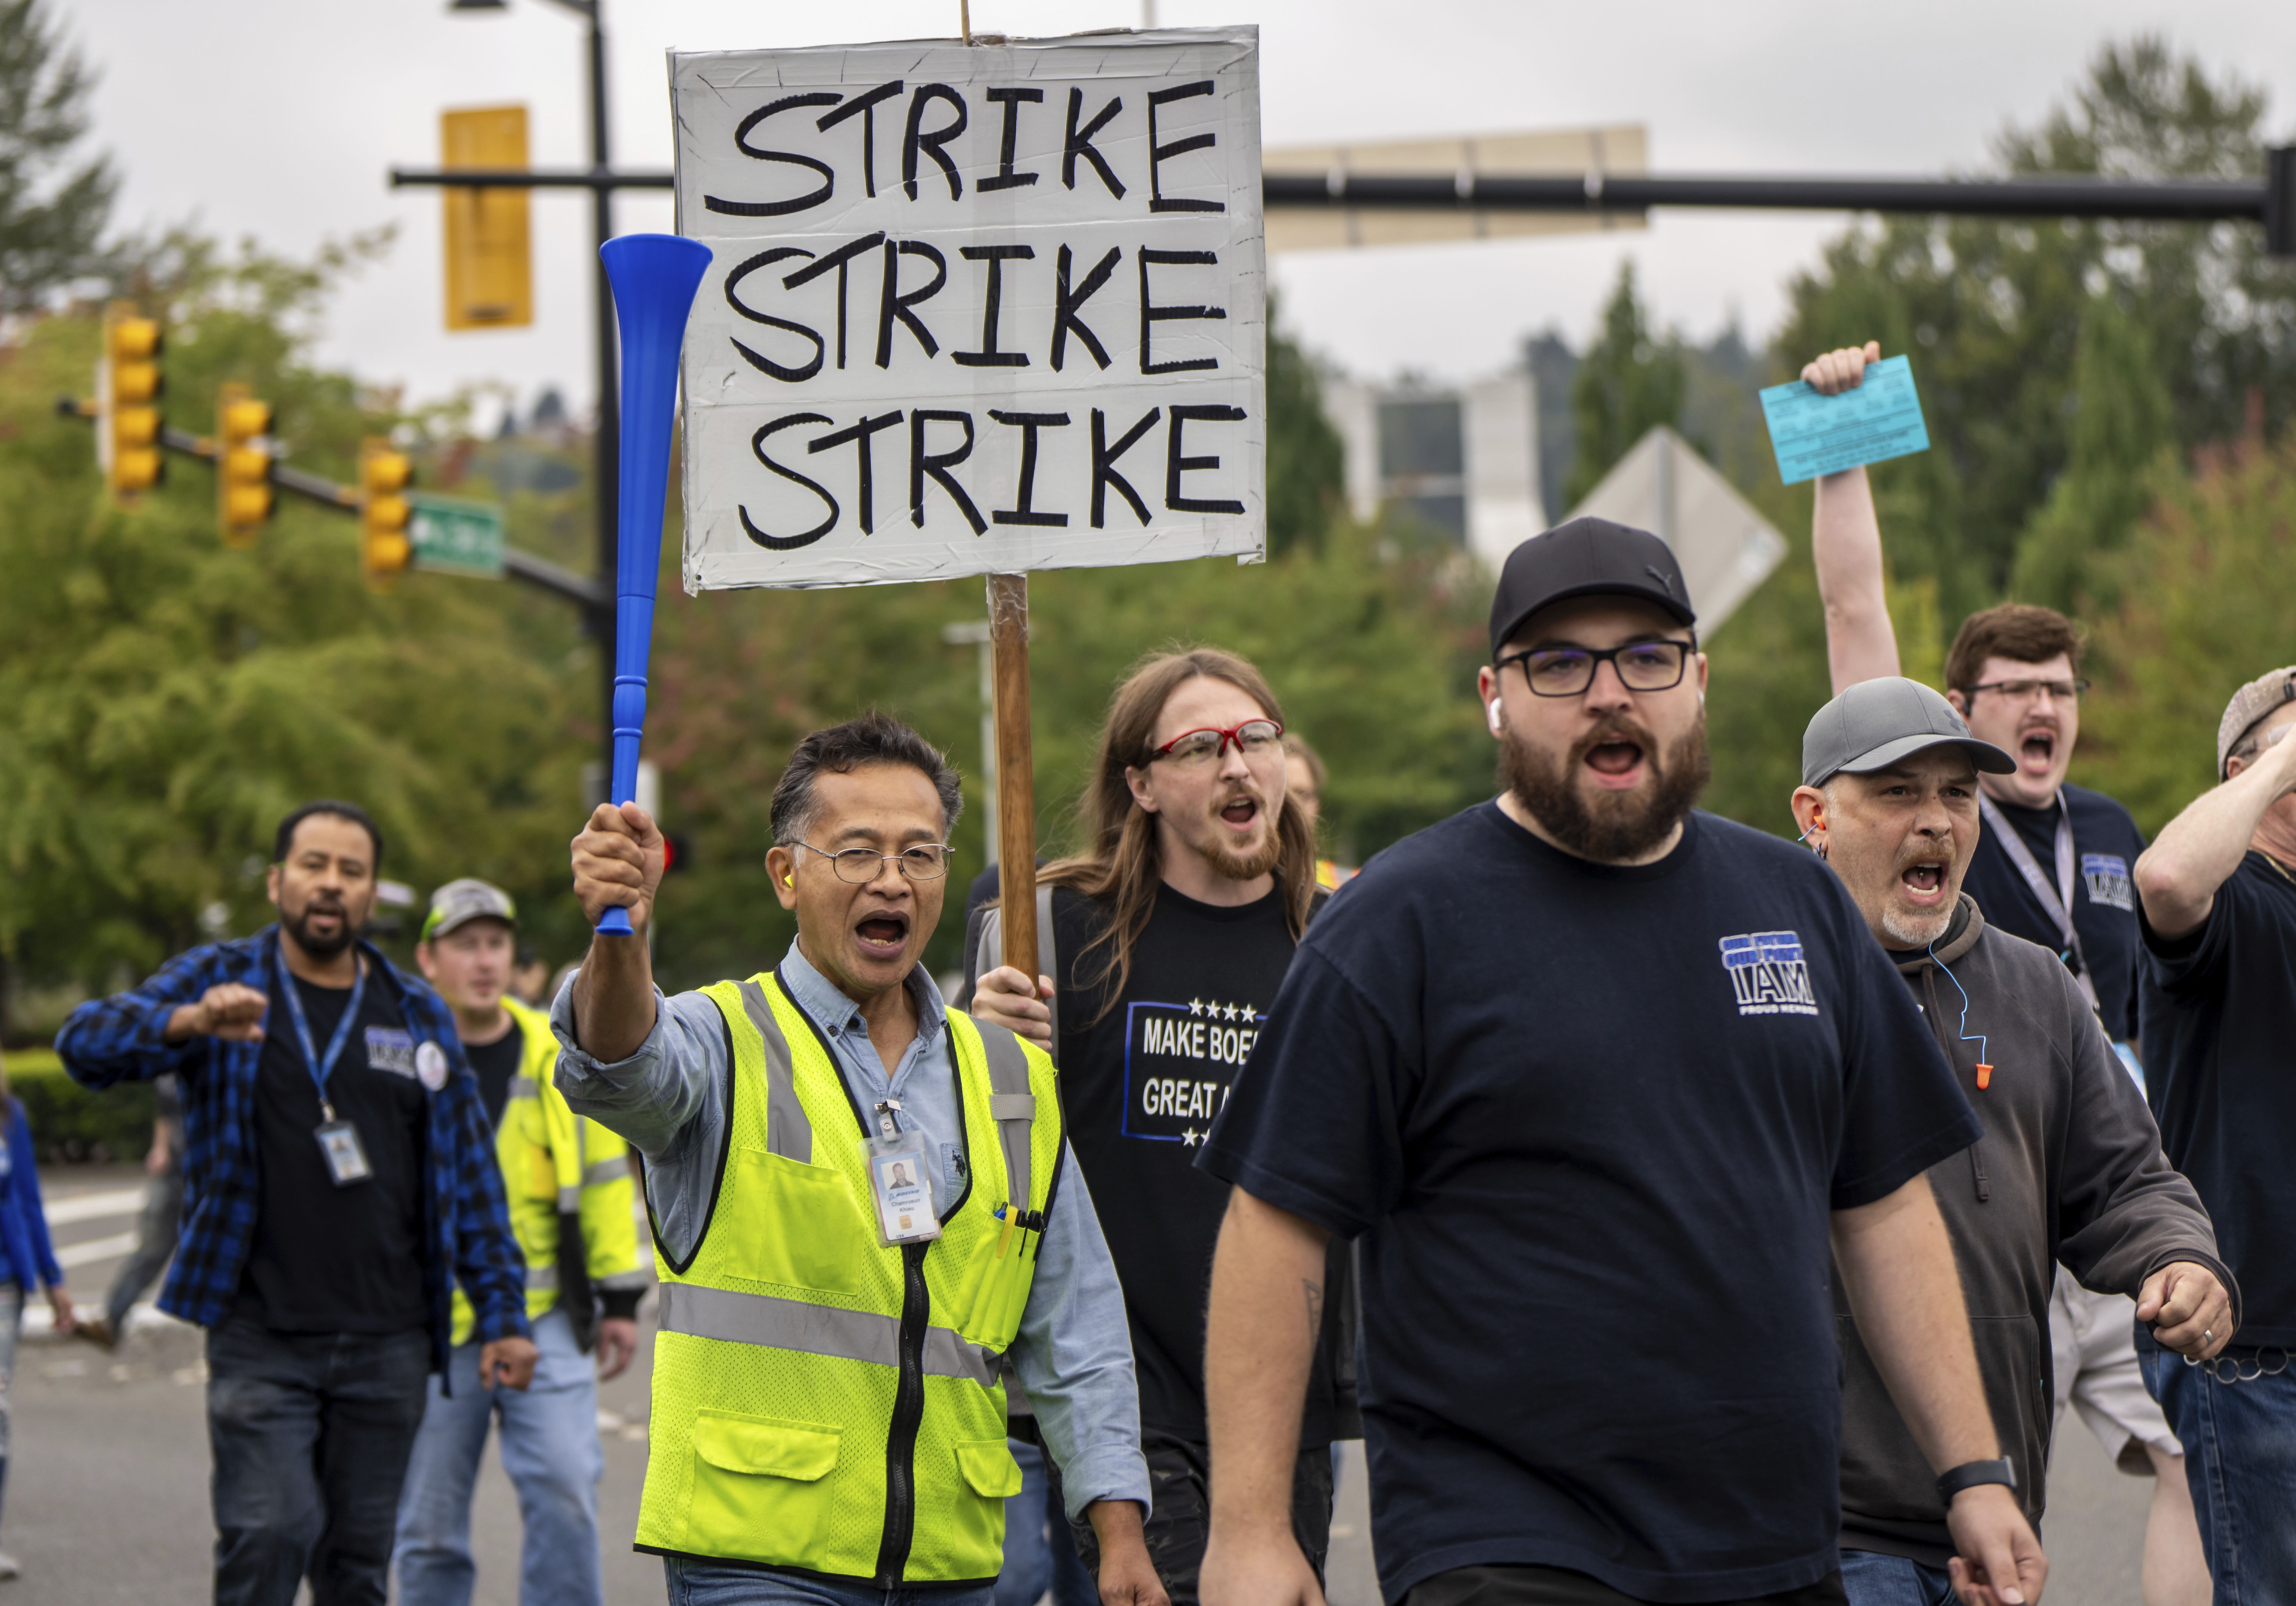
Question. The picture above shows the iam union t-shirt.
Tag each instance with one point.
(1590, 1124)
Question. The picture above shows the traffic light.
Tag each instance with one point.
(384, 549)
(242, 464)
(126, 398)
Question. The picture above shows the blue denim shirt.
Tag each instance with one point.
(1074, 1352)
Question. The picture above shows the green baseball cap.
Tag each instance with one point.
(1875, 723)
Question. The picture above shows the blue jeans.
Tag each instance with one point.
(2240, 1459)
(310, 1434)
(1870, 1578)
(550, 1450)
(1040, 1551)
(713, 1584)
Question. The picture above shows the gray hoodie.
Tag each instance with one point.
(2069, 1169)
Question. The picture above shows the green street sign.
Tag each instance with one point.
(455, 537)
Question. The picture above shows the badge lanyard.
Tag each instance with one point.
(900, 1186)
(339, 1140)
(2057, 901)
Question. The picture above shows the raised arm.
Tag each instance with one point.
(1897, 1268)
(2196, 852)
(1846, 545)
(1259, 1340)
(617, 860)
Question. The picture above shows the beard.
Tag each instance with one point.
(1910, 932)
(1613, 827)
(1245, 864)
(298, 926)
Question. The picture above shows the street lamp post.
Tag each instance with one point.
(605, 446)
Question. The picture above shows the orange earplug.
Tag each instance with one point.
(1984, 1077)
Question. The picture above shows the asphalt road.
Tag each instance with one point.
(107, 1492)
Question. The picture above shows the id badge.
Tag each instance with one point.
(345, 1156)
(900, 1189)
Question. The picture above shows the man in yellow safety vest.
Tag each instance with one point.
(568, 1183)
(862, 1202)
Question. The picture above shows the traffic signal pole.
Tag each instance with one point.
(605, 449)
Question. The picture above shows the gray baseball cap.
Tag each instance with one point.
(2250, 706)
(1875, 723)
(459, 902)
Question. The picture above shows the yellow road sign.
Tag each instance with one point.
(489, 266)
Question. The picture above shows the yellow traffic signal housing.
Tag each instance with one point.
(127, 394)
(384, 547)
(489, 264)
(243, 498)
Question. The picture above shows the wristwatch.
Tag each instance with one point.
(1969, 1474)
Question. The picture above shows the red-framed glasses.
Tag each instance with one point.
(1254, 739)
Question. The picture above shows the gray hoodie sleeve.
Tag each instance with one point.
(2123, 1212)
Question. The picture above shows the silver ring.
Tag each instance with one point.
(2207, 1337)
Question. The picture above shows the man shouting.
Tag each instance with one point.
(1597, 1081)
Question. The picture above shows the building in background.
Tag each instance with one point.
(1463, 462)
(1469, 463)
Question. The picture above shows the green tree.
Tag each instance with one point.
(2207, 587)
(2119, 446)
(1630, 380)
(53, 209)
(1992, 314)
(168, 700)
(1307, 465)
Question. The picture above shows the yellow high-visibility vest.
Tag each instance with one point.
(822, 1403)
(553, 1161)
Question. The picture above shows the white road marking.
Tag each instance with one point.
(94, 1207)
(95, 1249)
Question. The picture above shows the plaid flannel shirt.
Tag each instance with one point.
(466, 1225)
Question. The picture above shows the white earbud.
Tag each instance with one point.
(1492, 714)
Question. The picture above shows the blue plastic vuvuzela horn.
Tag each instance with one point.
(654, 277)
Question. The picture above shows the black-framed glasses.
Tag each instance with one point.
(925, 862)
(2025, 690)
(1652, 665)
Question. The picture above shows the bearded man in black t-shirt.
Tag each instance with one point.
(1594, 1081)
(1171, 937)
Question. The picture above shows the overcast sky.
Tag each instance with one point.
(281, 125)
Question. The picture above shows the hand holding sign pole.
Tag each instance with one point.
(654, 277)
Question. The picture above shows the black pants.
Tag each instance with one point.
(310, 1434)
(1557, 1586)
(1180, 1521)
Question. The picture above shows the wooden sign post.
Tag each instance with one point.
(1016, 768)
(974, 310)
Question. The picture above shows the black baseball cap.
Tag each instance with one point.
(1586, 557)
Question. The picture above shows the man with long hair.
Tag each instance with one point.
(1172, 932)
(1598, 1081)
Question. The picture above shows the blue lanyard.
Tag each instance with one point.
(320, 1068)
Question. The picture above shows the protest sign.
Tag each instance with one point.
(1816, 434)
(973, 309)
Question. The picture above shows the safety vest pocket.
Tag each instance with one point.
(988, 1468)
(815, 1224)
(761, 1486)
(999, 1293)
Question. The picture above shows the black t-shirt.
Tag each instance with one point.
(328, 1259)
(495, 1064)
(1591, 1123)
(1139, 1086)
(2106, 844)
(2219, 1048)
